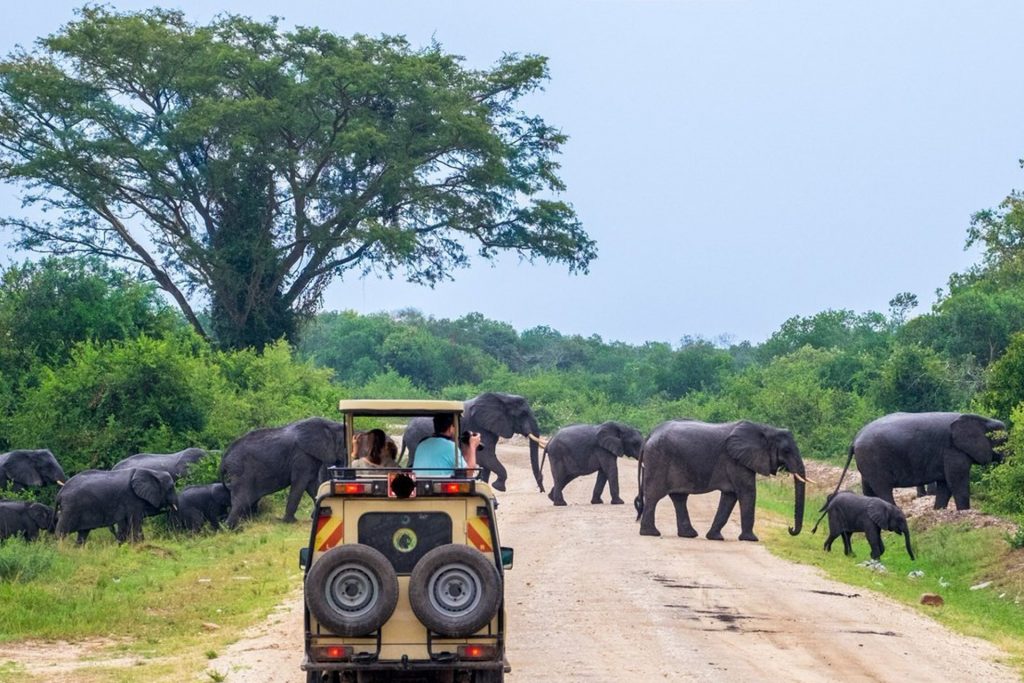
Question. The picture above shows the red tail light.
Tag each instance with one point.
(346, 488)
(453, 488)
(333, 652)
(476, 652)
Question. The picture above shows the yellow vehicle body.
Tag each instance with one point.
(435, 539)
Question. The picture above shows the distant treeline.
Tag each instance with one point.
(95, 367)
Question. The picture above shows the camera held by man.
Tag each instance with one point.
(466, 436)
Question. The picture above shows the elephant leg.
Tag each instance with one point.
(292, 504)
(612, 474)
(942, 495)
(683, 526)
(82, 535)
(555, 494)
(847, 543)
(958, 478)
(726, 503)
(647, 526)
(493, 465)
(602, 480)
(875, 541)
(241, 506)
(747, 500)
(828, 541)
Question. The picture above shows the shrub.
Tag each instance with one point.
(23, 561)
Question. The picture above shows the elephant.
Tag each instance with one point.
(267, 460)
(94, 499)
(849, 513)
(681, 457)
(175, 464)
(492, 415)
(19, 517)
(912, 449)
(583, 449)
(200, 504)
(30, 468)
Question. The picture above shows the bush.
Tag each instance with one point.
(23, 561)
(1002, 486)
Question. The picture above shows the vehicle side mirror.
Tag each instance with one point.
(507, 555)
(304, 557)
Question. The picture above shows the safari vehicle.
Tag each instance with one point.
(404, 575)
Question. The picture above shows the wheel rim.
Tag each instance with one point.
(352, 589)
(455, 589)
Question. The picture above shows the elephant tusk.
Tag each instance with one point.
(806, 481)
(60, 483)
(541, 442)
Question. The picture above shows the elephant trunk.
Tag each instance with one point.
(906, 539)
(798, 502)
(535, 464)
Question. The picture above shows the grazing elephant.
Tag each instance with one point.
(492, 415)
(175, 464)
(582, 449)
(849, 513)
(31, 468)
(95, 499)
(912, 449)
(682, 457)
(200, 504)
(268, 460)
(18, 517)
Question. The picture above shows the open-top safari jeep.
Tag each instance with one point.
(404, 573)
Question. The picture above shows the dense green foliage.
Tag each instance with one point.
(256, 165)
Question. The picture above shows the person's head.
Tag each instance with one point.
(377, 440)
(391, 450)
(444, 423)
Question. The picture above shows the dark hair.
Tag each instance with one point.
(442, 422)
(377, 440)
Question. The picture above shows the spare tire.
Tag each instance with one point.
(352, 589)
(455, 590)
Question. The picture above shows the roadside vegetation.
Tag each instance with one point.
(168, 605)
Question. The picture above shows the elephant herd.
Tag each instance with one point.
(261, 462)
(683, 457)
(678, 458)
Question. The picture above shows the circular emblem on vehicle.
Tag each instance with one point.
(404, 540)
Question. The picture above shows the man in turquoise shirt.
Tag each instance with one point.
(437, 456)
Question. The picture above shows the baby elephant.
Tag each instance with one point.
(20, 518)
(200, 504)
(850, 512)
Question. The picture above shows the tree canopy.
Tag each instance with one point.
(245, 167)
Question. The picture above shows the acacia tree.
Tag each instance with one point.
(245, 167)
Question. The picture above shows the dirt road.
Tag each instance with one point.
(589, 599)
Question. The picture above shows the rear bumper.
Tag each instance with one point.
(407, 665)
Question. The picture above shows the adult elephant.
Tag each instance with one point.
(681, 457)
(493, 415)
(915, 449)
(582, 449)
(95, 499)
(25, 519)
(30, 468)
(267, 460)
(175, 464)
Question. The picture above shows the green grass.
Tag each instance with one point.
(151, 600)
(953, 557)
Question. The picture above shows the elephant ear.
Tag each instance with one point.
(41, 515)
(23, 471)
(886, 516)
(748, 445)
(609, 438)
(968, 433)
(491, 412)
(147, 487)
(323, 440)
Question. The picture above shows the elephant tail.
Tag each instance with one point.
(638, 502)
(823, 511)
(540, 469)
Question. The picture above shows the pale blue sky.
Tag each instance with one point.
(738, 162)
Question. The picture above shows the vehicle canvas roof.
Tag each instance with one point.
(398, 407)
